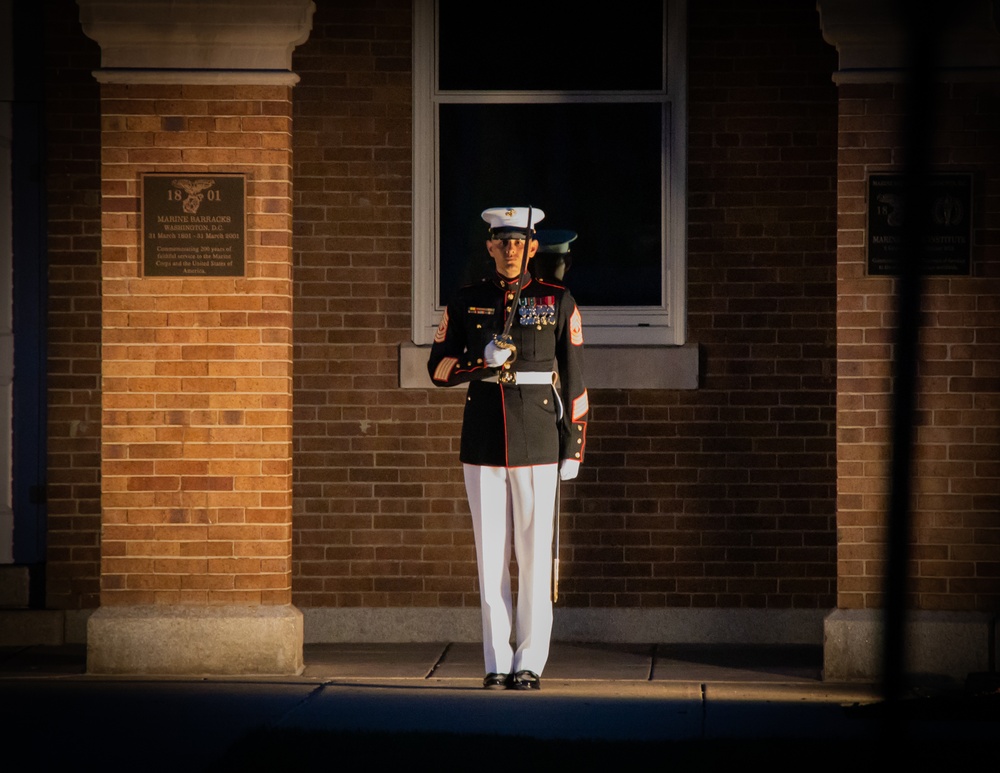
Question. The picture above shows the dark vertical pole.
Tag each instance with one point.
(29, 295)
(920, 22)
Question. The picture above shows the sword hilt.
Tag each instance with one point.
(505, 341)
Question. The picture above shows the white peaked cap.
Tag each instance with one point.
(511, 217)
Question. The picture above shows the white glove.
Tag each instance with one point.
(495, 356)
(568, 468)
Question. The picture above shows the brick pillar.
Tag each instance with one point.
(196, 369)
(952, 584)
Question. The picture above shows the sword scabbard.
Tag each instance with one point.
(555, 540)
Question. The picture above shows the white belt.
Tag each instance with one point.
(524, 377)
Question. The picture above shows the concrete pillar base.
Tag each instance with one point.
(224, 640)
(940, 647)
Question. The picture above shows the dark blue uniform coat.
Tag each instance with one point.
(515, 425)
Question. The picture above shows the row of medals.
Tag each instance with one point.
(537, 314)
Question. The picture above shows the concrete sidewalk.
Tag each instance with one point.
(386, 702)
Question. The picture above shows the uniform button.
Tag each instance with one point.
(479, 361)
(577, 455)
(579, 440)
(545, 402)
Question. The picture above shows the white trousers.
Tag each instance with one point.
(514, 506)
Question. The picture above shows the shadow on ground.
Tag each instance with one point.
(273, 749)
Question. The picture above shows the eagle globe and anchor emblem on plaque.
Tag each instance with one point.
(193, 192)
(193, 225)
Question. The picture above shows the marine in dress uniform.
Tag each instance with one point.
(524, 427)
(553, 258)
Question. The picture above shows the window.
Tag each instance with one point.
(581, 115)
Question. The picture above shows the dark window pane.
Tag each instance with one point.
(545, 45)
(592, 168)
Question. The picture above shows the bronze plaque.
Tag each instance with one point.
(947, 215)
(193, 224)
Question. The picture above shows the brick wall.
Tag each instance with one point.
(723, 497)
(378, 517)
(73, 178)
(955, 564)
(196, 392)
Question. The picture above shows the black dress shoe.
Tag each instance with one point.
(526, 680)
(496, 681)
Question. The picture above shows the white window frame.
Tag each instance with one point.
(664, 324)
